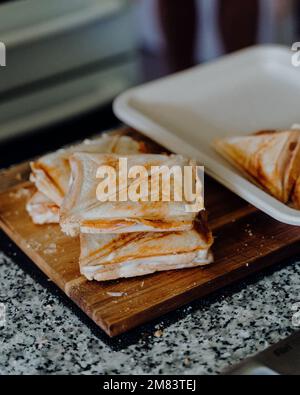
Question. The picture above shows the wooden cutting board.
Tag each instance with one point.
(246, 240)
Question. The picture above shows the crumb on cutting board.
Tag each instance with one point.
(51, 249)
(22, 192)
(116, 294)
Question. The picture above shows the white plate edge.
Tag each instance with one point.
(239, 185)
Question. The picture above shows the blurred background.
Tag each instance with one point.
(66, 60)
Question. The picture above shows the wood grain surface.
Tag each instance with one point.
(246, 240)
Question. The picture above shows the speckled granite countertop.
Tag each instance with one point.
(44, 333)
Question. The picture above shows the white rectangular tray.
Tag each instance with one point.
(257, 88)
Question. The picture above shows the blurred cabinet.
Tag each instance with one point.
(63, 57)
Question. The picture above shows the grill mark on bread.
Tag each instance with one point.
(105, 224)
(47, 172)
(139, 256)
(125, 239)
(267, 131)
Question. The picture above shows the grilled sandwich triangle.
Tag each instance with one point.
(42, 210)
(271, 159)
(81, 211)
(111, 256)
(51, 173)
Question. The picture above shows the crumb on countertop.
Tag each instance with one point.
(186, 361)
(158, 333)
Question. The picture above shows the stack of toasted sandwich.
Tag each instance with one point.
(120, 238)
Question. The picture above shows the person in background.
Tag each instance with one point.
(297, 19)
(189, 32)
